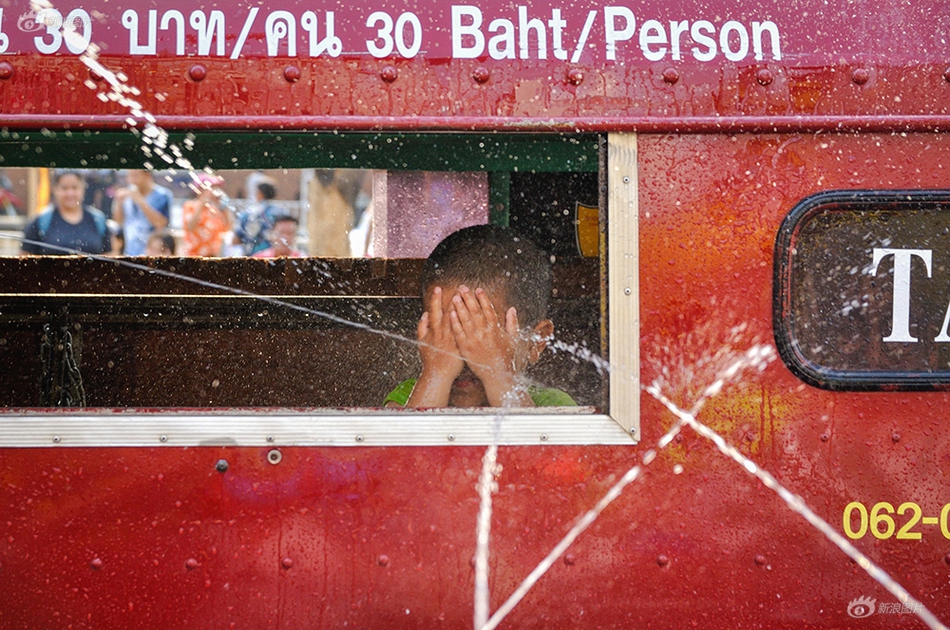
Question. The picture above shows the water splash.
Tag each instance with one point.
(797, 505)
(757, 357)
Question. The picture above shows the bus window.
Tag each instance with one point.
(332, 328)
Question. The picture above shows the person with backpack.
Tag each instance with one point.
(67, 226)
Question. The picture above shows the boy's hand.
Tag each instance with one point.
(441, 360)
(489, 347)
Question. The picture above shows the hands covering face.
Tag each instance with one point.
(462, 327)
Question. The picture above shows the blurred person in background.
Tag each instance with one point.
(160, 243)
(67, 226)
(206, 218)
(140, 208)
(283, 239)
(256, 221)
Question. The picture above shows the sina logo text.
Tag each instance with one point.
(861, 607)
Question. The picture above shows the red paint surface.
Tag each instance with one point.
(383, 537)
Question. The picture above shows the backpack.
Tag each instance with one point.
(46, 217)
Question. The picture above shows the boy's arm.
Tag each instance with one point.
(441, 363)
(491, 350)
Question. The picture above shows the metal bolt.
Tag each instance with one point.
(96, 563)
(760, 560)
(359, 438)
(292, 74)
(671, 75)
(544, 437)
(662, 560)
(764, 76)
(860, 76)
(56, 439)
(575, 76)
(287, 563)
(270, 438)
(6, 70)
(197, 72)
(163, 438)
(481, 74)
(191, 563)
(221, 466)
(627, 290)
(388, 74)
(382, 560)
(451, 437)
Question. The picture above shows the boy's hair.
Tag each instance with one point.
(494, 258)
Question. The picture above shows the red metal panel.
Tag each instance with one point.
(827, 61)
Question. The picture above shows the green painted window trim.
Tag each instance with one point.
(496, 152)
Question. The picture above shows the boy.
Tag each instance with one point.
(485, 292)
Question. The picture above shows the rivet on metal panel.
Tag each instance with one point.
(544, 437)
(96, 563)
(359, 438)
(760, 560)
(946, 75)
(274, 456)
(451, 437)
(895, 437)
(270, 438)
(287, 563)
(6, 70)
(221, 466)
(575, 76)
(662, 560)
(627, 291)
(292, 74)
(191, 563)
(860, 76)
(163, 438)
(55, 439)
(569, 559)
(764, 76)
(481, 74)
(946, 558)
(824, 437)
(95, 76)
(671, 75)
(388, 74)
(197, 72)
(382, 560)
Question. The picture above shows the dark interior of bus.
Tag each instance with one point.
(315, 332)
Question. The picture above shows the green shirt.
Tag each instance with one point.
(542, 396)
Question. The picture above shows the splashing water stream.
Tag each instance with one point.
(756, 357)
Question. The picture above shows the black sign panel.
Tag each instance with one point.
(862, 290)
